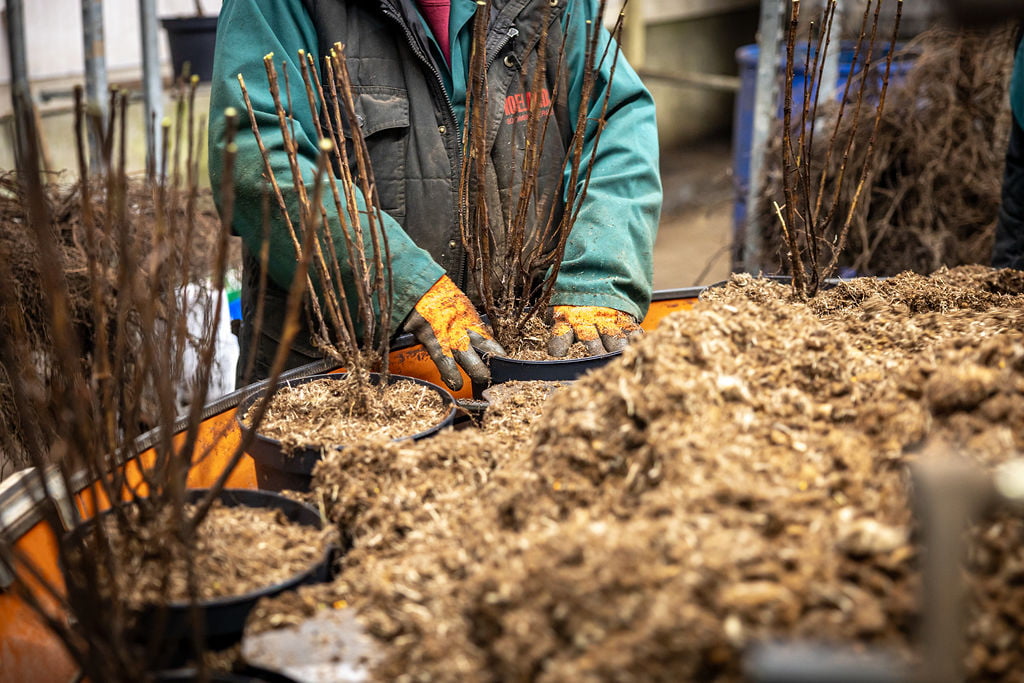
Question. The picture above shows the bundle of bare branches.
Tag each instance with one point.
(85, 417)
(514, 256)
(70, 234)
(931, 191)
(349, 302)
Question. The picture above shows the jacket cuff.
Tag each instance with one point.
(408, 289)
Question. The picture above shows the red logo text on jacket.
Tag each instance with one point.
(517, 107)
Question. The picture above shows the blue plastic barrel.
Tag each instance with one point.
(743, 114)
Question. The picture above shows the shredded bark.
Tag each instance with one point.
(513, 406)
(739, 475)
(329, 412)
(238, 549)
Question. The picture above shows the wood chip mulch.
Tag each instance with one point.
(741, 474)
(329, 412)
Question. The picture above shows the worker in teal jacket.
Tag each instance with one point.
(408, 61)
(1008, 250)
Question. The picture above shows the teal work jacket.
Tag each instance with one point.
(411, 104)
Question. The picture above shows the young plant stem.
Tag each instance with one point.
(516, 257)
(351, 308)
(851, 212)
(789, 163)
(809, 211)
(103, 388)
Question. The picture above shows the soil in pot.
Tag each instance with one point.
(532, 343)
(514, 401)
(251, 544)
(313, 414)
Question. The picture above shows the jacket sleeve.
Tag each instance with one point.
(1008, 250)
(248, 30)
(609, 255)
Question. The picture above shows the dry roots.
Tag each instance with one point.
(933, 190)
(17, 249)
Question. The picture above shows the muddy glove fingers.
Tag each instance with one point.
(450, 326)
(569, 327)
(446, 364)
(593, 345)
(559, 345)
(601, 330)
(485, 344)
(473, 365)
(618, 336)
(614, 342)
(470, 358)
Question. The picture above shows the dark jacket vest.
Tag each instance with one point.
(409, 123)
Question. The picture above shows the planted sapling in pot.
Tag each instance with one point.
(559, 251)
(152, 573)
(349, 284)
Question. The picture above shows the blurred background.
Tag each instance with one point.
(697, 56)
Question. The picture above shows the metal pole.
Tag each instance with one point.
(830, 70)
(96, 87)
(21, 94)
(152, 84)
(765, 105)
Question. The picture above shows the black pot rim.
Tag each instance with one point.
(554, 361)
(231, 600)
(248, 674)
(446, 396)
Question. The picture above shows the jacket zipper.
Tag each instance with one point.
(460, 278)
(509, 37)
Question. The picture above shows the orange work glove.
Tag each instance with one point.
(446, 323)
(602, 330)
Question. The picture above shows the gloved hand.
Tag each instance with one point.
(602, 330)
(446, 323)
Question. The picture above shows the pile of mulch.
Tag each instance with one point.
(932, 192)
(741, 474)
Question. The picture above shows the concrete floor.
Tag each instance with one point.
(695, 234)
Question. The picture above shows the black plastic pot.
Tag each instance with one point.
(191, 40)
(560, 370)
(249, 674)
(223, 619)
(277, 470)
